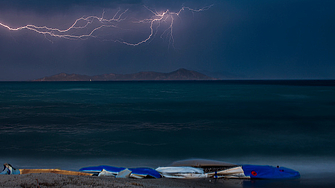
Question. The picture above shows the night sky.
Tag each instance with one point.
(243, 39)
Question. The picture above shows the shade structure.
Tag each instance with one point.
(202, 163)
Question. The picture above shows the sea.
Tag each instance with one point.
(69, 125)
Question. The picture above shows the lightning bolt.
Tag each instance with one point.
(80, 23)
(158, 18)
(87, 26)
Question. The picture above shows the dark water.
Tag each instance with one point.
(290, 123)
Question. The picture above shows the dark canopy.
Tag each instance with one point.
(202, 163)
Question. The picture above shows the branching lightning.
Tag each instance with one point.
(86, 27)
(80, 23)
(158, 18)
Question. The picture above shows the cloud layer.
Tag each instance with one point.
(244, 39)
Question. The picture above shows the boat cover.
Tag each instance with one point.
(104, 170)
(144, 172)
(231, 173)
(100, 168)
(123, 174)
(269, 172)
(182, 172)
(179, 170)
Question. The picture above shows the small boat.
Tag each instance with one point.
(54, 171)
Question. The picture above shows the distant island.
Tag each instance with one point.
(180, 74)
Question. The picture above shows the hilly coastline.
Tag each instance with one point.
(180, 74)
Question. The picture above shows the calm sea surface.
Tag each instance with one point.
(75, 124)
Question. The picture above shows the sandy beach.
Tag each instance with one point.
(57, 180)
(40, 180)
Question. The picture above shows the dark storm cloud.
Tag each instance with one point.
(246, 39)
(57, 5)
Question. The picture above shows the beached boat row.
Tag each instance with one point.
(185, 169)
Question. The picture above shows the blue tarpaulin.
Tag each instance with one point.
(115, 170)
(269, 172)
